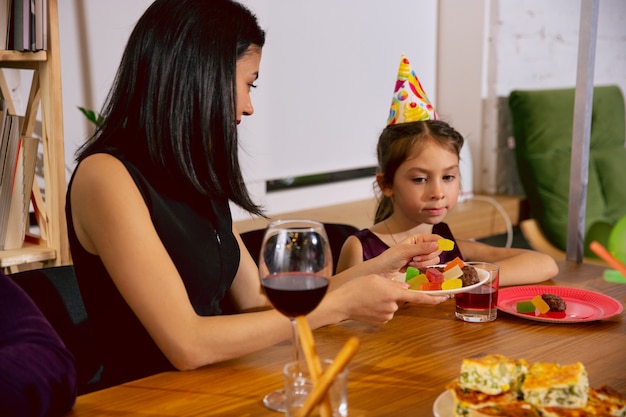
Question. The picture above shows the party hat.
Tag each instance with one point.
(409, 102)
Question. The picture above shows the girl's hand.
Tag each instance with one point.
(418, 251)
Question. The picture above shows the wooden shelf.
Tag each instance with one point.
(45, 94)
(27, 254)
(7, 57)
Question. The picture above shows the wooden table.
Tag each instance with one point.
(400, 369)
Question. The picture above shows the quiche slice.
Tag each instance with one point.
(493, 374)
(467, 400)
(605, 402)
(554, 385)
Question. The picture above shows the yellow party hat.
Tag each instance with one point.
(409, 102)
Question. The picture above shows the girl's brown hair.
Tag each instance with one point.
(395, 143)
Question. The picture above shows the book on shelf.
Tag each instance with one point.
(5, 13)
(8, 165)
(20, 21)
(37, 32)
(25, 26)
(18, 219)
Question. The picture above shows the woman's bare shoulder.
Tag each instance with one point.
(100, 172)
(97, 164)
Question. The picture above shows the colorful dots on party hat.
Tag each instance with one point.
(409, 102)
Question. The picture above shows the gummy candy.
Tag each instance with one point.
(541, 305)
(434, 275)
(416, 281)
(452, 284)
(445, 244)
(525, 307)
(430, 286)
(456, 261)
(452, 273)
(411, 271)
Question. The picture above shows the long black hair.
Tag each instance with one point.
(173, 100)
(397, 141)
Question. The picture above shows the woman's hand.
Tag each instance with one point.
(373, 299)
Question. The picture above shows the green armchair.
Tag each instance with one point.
(542, 122)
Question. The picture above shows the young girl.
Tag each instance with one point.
(419, 179)
(150, 228)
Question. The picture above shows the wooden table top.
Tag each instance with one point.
(400, 368)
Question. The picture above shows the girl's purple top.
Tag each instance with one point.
(373, 246)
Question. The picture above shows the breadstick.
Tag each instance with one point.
(341, 361)
(312, 360)
(607, 257)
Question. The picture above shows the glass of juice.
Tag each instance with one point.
(480, 304)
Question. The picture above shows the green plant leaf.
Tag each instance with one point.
(91, 115)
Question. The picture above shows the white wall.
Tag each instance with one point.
(327, 75)
(315, 86)
(536, 46)
(527, 44)
(92, 36)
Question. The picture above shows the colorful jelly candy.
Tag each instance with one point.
(452, 273)
(416, 281)
(456, 261)
(411, 272)
(430, 286)
(452, 284)
(434, 275)
(540, 304)
(525, 307)
(445, 244)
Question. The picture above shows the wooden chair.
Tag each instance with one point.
(542, 123)
(337, 235)
(539, 242)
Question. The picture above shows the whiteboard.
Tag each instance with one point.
(326, 80)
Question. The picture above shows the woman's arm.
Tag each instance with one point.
(517, 266)
(246, 291)
(112, 221)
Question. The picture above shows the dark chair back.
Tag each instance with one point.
(56, 293)
(337, 235)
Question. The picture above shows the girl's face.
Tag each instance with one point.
(426, 185)
(247, 73)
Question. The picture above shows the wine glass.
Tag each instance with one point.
(295, 264)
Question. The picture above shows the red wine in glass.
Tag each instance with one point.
(295, 293)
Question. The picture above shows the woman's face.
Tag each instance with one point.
(247, 73)
(426, 185)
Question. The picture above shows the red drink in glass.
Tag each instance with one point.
(481, 303)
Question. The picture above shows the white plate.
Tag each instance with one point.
(444, 405)
(482, 274)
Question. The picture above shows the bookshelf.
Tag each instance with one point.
(51, 247)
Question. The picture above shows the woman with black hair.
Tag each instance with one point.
(152, 239)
